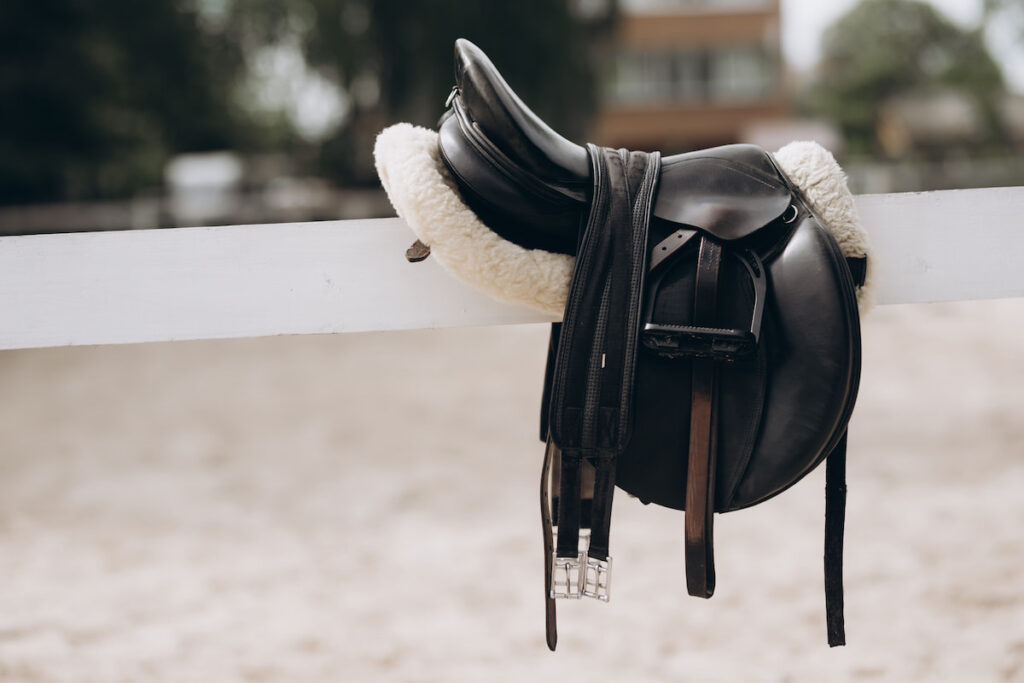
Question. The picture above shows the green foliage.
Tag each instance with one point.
(97, 93)
(884, 48)
(404, 48)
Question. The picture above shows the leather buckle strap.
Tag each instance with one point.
(700, 483)
(580, 565)
(586, 572)
(590, 402)
(700, 476)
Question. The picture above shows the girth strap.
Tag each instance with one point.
(592, 383)
(591, 406)
(590, 411)
(700, 476)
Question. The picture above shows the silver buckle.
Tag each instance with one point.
(574, 577)
(597, 576)
(567, 576)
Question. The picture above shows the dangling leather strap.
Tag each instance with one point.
(590, 503)
(549, 372)
(700, 475)
(601, 512)
(551, 462)
(835, 521)
(569, 503)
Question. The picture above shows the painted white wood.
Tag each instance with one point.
(351, 276)
(953, 245)
(234, 281)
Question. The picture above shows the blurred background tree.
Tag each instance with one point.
(391, 60)
(99, 94)
(884, 49)
(96, 95)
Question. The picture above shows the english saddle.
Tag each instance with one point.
(709, 351)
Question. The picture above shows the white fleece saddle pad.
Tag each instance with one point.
(426, 197)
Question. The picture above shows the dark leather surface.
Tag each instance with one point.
(745, 189)
(777, 424)
(815, 364)
(516, 212)
(709, 429)
(594, 371)
(729, 192)
(703, 447)
(526, 181)
(511, 125)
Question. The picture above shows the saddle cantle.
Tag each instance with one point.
(709, 354)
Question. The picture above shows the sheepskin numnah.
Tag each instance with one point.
(425, 196)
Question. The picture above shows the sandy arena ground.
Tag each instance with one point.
(362, 507)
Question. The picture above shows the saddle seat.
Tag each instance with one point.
(531, 185)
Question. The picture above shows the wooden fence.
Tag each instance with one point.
(351, 276)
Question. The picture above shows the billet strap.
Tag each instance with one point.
(835, 521)
(700, 475)
(549, 371)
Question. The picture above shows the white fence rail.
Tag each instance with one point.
(351, 276)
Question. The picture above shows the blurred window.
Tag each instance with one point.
(644, 77)
(736, 73)
(739, 73)
(691, 75)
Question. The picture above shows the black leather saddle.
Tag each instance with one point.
(709, 354)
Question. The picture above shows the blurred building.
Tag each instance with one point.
(938, 120)
(692, 73)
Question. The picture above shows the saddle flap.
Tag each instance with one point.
(726, 197)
